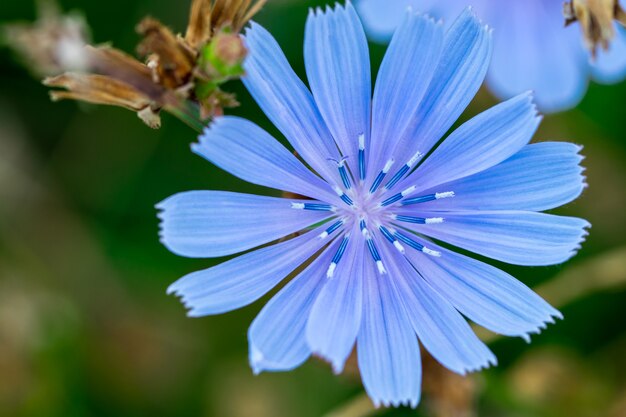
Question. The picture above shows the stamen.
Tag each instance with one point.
(313, 206)
(343, 196)
(398, 197)
(405, 168)
(381, 176)
(372, 247)
(416, 245)
(331, 229)
(333, 265)
(428, 197)
(390, 238)
(362, 158)
(343, 172)
(417, 220)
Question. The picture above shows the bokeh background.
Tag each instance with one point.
(87, 330)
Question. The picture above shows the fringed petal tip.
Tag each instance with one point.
(489, 362)
(470, 13)
(329, 9)
(404, 402)
(551, 318)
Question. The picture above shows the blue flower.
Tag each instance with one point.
(362, 246)
(532, 49)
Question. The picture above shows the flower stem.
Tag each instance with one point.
(188, 113)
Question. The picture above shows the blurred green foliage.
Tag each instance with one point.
(87, 330)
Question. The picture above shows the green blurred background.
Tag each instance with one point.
(87, 330)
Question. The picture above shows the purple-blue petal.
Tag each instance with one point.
(277, 335)
(403, 80)
(338, 69)
(486, 295)
(540, 177)
(336, 315)
(208, 224)
(387, 347)
(245, 150)
(516, 237)
(286, 101)
(242, 280)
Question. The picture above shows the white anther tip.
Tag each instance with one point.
(381, 267)
(297, 206)
(323, 235)
(431, 252)
(414, 159)
(408, 191)
(398, 246)
(388, 165)
(434, 220)
(338, 190)
(331, 270)
(361, 142)
(447, 194)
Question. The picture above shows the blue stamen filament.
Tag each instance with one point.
(428, 197)
(343, 172)
(397, 197)
(392, 239)
(313, 206)
(331, 229)
(415, 245)
(343, 196)
(381, 176)
(342, 248)
(362, 158)
(405, 168)
(417, 220)
(372, 247)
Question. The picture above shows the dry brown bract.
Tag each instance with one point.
(52, 44)
(181, 74)
(596, 20)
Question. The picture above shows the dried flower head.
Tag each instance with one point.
(51, 45)
(596, 20)
(181, 74)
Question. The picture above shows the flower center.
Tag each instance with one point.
(374, 214)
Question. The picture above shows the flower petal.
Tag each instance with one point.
(610, 66)
(277, 335)
(461, 71)
(242, 280)
(532, 51)
(250, 153)
(388, 351)
(336, 315)
(338, 68)
(286, 101)
(439, 327)
(516, 237)
(486, 295)
(206, 224)
(540, 177)
(382, 17)
(480, 143)
(403, 80)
